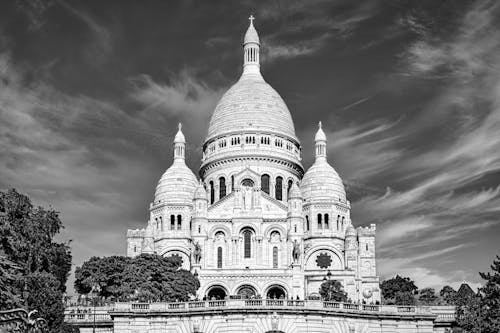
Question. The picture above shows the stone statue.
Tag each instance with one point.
(197, 253)
(296, 251)
(247, 197)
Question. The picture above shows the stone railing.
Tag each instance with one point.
(75, 314)
(79, 314)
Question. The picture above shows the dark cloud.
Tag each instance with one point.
(409, 94)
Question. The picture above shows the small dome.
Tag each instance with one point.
(320, 135)
(322, 183)
(200, 192)
(251, 36)
(350, 231)
(176, 185)
(295, 192)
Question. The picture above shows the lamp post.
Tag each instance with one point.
(95, 292)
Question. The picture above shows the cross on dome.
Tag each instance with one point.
(251, 18)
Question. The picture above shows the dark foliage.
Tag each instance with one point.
(147, 277)
(332, 290)
(427, 296)
(448, 295)
(399, 289)
(34, 267)
(481, 312)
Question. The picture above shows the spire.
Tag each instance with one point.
(179, 145)
(320, 140)
(251, 47)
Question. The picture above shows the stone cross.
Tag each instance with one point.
(251, 18)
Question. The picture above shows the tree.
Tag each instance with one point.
(481, 312)
(403, 298)
(146, 277)
(332, 290)
(427, 296)
(30, 258)
(490, 293)
(448, 295)
(403, 287)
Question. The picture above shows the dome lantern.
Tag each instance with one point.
(320, 141)
(251, 48)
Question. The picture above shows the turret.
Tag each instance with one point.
(295, 219)
(200, 205)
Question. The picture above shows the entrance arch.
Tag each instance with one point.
(216, 292)
(276, 292)
(246, 291)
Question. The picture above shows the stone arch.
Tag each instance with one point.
(214, 285)
(272, 290)
(275, 227)
(317, 251)
(183, 253)
(246, 283)
(216, 228)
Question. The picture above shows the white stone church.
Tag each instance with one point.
(254, 224)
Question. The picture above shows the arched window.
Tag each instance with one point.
(212, 192)
(320, 225)
(135, 248)
(338, 222)
(232, 183)
(199, 229)
(179, 222)
(222, 187)
(366, 246)
(278, 188)
(219, 257)
(327, 221)
(343, 222)
(275, 257)
(264, 183)
(172, 222)
(307, 223)
(290, 183)
(247, 243)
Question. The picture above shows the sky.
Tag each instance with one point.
(408, 92)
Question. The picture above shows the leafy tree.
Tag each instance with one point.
(107, 272)
(146, 277)
(427, 296)
(481, 312)
(404, 298)
(491, 297)
(332, 290)
(448, 295)
(402, 287)
(30, 260)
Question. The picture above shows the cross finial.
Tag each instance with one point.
(319, 124)
(180, 126)
(251, 18)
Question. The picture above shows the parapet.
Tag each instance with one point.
(138, 233)
(367, 231)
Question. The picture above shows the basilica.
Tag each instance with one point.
(253, 224)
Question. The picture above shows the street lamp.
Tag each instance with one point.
(95, 292)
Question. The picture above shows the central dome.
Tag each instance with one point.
(251, 105)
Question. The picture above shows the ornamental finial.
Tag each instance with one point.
(251, 18)
(180, 126)
(320, 125)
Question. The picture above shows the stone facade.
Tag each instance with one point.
(254, 224)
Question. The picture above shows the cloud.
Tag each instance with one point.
(305, 29)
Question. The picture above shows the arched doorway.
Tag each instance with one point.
(246, 291)
(216, 293)
(276, 292)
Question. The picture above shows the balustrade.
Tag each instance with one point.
(102, 314)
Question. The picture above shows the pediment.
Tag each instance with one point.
(257, 204)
